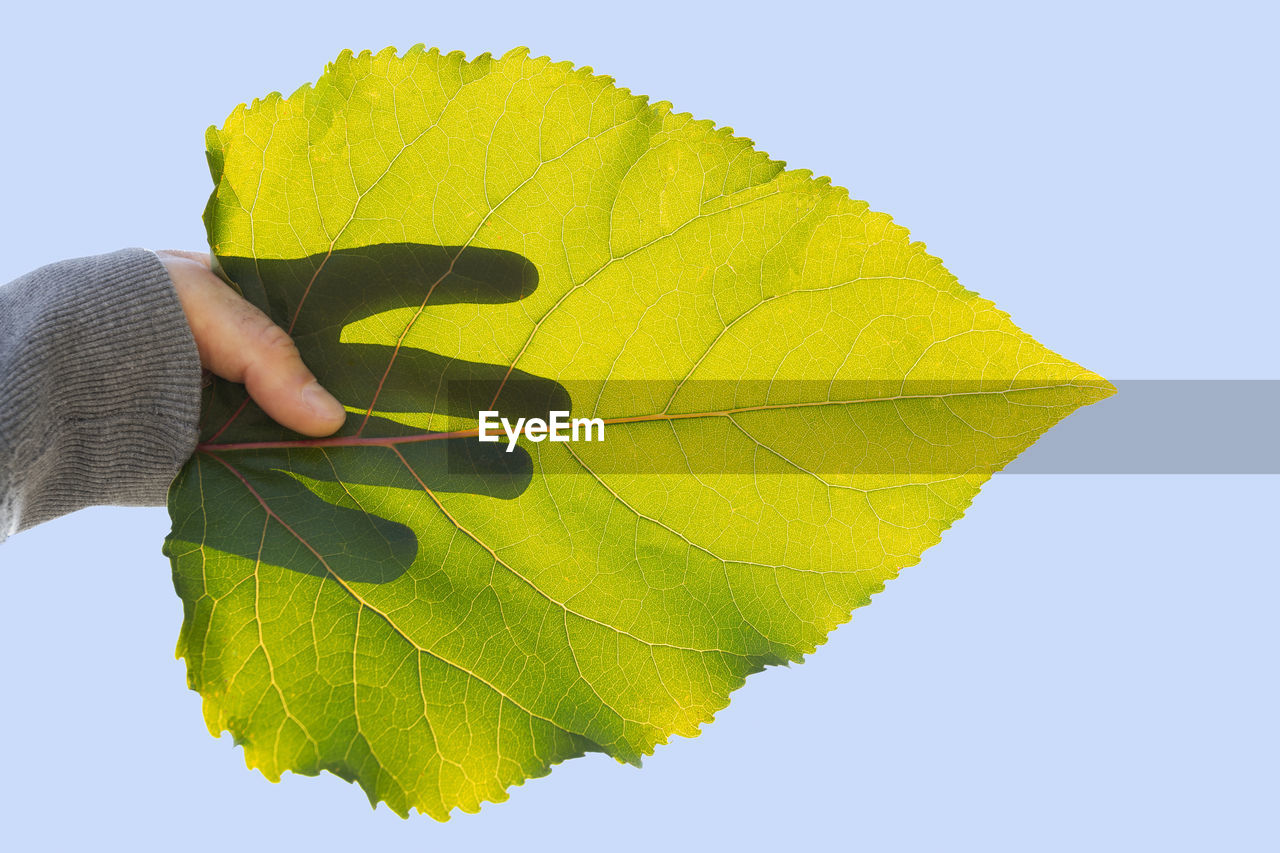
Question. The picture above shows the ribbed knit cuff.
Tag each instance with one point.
(99, 387)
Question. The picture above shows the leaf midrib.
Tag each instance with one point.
(411, 438)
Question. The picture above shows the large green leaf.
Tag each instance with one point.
(798, 399)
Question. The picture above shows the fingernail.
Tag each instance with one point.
(322, 402)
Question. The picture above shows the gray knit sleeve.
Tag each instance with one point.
(99, 387)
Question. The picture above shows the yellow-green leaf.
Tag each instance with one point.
(797, 400)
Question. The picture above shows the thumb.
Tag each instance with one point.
(240, 343)
(263, 356)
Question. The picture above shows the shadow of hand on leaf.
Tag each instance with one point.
(326, 521)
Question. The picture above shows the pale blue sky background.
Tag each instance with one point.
(1085, 662)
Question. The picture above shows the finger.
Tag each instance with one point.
(240, 343)
(281, 384)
